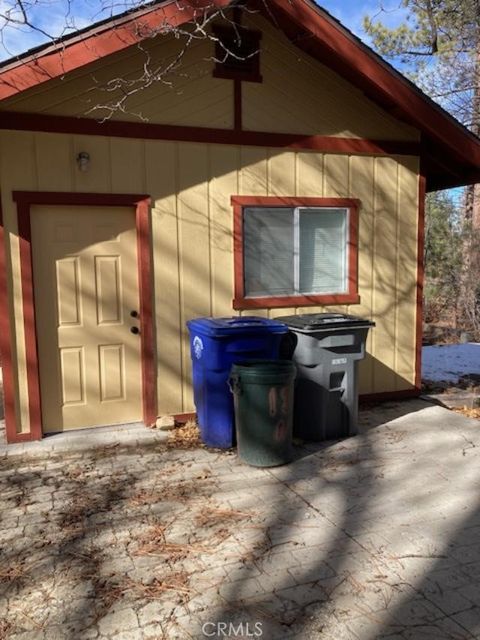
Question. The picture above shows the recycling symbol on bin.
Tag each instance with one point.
(197, 347)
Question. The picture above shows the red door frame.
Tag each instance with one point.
(24, 201)
(6, 342)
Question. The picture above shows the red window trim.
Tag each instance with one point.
(240, 301)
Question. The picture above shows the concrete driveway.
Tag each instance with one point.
(377, 536)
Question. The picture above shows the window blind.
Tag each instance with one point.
(269, 251)
(323, 246)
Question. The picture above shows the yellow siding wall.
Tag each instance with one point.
(300, 95)
(191, 185)
(297, 95)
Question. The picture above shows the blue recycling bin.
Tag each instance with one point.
(215, 345)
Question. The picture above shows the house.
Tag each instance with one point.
(289, 178)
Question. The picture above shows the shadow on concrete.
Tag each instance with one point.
(351, 585)
(326, 554)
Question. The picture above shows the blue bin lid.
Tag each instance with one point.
(236, 325)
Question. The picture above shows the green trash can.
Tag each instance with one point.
(263, 404)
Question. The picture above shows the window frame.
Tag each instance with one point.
(351, 296)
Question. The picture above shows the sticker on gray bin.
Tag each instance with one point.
(336, 361)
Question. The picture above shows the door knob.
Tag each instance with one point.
(134, 314)
(135, 330)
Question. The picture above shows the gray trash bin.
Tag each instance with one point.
(326, 348)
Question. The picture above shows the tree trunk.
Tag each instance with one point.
(469, 294)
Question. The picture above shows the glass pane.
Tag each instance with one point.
(268, 251)
(323, 250)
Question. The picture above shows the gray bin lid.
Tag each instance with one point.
(325, 322)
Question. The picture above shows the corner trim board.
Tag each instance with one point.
(6, 334)
(420, 279)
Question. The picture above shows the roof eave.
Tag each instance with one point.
(333, 45)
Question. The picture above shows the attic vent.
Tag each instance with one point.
(237, 54)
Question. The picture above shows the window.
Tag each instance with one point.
(295, 251)
(237, 53)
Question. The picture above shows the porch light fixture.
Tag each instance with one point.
(83, 161)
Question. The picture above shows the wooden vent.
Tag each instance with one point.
(237, 54)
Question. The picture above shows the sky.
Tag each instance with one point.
(351, 12)
(57, 17)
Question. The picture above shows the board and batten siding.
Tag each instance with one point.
(192, 237)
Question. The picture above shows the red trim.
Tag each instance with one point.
(237, 104)
(6, 333)
(24, 200)
(28, 299)
(420, 279)
(20, 437)
(238, 268)
(240, 301)
(146, 314)
(352, 250)
(383, 396)
(288, 201)
(275, 302)
(183, 418)
(80, 199)
(142, 130)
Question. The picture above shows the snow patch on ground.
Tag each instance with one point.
(451, 361)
